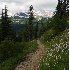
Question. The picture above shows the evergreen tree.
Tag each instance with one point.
(28, 31)
(66, 8)
(5, 31)
(62, 8)
(60, 19)
(30, 24)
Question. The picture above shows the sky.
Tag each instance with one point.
(15, 6)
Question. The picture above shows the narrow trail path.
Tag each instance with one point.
(33, 60)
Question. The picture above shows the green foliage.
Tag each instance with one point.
(24, 34)
(62, 9)
(42, 26)
(11, 54)
(9, 49)
(57, 55)
(5, 27)
(30, 24)
(57, 24)
(56, 39)
(48, 35)
(36, 30)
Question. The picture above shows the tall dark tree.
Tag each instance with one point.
(30, 23)
(60, 19)
(5, 31)
(66, 8)
(28, 32)
(62, 8)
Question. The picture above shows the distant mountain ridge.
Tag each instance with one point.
(41, 13)
(44, 13)
(21, 17)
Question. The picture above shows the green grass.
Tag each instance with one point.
(57, 55)
(10, 63)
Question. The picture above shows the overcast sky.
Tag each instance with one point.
(23, 5)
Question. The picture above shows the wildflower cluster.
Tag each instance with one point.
(57, 55)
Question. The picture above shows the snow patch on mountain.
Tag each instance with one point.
(37, 14)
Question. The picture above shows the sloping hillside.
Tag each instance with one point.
(57, 56)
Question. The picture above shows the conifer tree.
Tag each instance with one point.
(6, 31)
(66, 8)
(30, 23)
(61, 16)
(62, 8)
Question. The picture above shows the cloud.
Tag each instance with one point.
(23, 5)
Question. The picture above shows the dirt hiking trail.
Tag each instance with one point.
(33, 60)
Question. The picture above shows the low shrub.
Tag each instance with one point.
(18, 53)
(8, 49)
(48, 35)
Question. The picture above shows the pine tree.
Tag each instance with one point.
(30, 23)
(60, 18)
(62, 8)
(5, 31)
(66, 8)
(29, 29)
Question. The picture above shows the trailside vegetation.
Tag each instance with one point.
(56, 39)
(15, 48)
